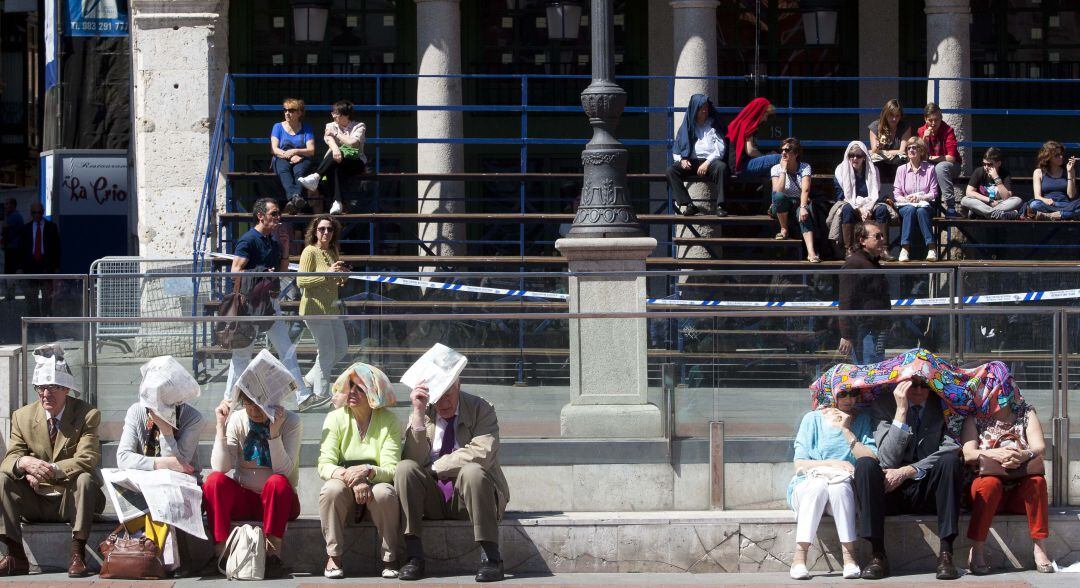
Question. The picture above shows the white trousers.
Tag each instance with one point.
(814, 497)
(278, 335)
(333, 344)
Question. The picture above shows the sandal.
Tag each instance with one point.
(780, 236)
(335, 572)
(813, 259)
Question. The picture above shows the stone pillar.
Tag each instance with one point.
(694, 46)
(948, 54)
(661, 61)
(438, 47)
(10, 392)
(608, 356)
(880, 39)
(179, 53)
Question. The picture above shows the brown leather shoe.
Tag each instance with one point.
(945, 568)
(15, 563)
(877, 569)
(77, 569)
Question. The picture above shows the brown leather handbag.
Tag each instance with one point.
(992, 467)
(130, 558)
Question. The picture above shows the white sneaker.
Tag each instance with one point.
(931, 255)
(334, 574)
(799, 572)
(335, 208)
(310, 181)
(903, 256)
(389, 573)
(852, 571)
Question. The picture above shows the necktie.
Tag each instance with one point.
(54, 427)
(916, 416)
(445, 448)
(38, 251)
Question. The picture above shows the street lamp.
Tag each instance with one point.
(819, 21)
(309, 20)
(563, 20)
(603, 210)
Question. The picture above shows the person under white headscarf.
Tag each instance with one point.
(857, 185)
(161, 431)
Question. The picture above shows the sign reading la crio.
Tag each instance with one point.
(94, 185)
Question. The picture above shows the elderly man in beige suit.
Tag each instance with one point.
(49, 473)
(450, 470)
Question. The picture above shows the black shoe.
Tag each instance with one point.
(412, 570)
(720, 212)
(489, 571)
(945, 568)
(877, 569)
(690, 210)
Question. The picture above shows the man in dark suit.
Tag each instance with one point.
(450, 470)
(40, 241)
(918, 471)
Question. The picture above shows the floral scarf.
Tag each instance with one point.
(257, 443)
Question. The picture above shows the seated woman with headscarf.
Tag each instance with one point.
(161, 431)
(749, 163)
(360, 450)
(260, 445)
(699, 151)
(856, 183)
(826, 447)
(1011, 436)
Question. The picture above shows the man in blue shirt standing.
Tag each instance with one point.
(258, 250)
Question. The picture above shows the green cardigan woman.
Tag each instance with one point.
(360, 450)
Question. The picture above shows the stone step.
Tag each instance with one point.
(646, 542)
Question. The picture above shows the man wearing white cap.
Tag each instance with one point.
(50, 473)
(451, 468)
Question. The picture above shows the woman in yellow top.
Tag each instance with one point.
(361, 447)
(320, 296)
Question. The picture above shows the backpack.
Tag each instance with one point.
(244, 557)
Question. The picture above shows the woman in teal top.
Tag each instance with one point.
(826, 447)
(360, 450)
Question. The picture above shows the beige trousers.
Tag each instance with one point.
(474, 499)
(77, 505)
(337, 504)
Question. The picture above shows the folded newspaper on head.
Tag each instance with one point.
(438, 368)
(167, 496)
(266, 381)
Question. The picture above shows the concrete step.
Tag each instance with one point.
(645, 542)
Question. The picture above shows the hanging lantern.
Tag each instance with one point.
(563, 20)
(819, 21)
(309, 20)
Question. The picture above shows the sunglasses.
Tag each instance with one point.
(876, 236)
(274, 213)
(325, 229)
(847, 394)
(913, 149)
(856, 156)
(291, 109)
(786, 150)
(989, 163)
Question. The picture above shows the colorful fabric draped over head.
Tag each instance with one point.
(742, 127)
(981, 390)
(376, 386)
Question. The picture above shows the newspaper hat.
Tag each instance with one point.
(50, 368)
(439, 368)
(166, 385)
(266, 382)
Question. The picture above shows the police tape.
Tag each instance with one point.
(939, 301)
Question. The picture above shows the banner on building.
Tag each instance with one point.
(96, 18)
(52, 66)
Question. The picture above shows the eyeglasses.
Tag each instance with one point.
(48, 389)
(988, 163)
(274, 213)
(325, 229)
(787, 150)
(876, 236)
(913, 148)
(847, 394)
(291, 109)
(856, 156)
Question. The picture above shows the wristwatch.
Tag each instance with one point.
(1031, 455)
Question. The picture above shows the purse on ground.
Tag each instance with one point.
(130, 558)
(244, 557)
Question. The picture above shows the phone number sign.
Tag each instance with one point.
(97, 18)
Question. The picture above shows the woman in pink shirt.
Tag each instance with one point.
(914, 191)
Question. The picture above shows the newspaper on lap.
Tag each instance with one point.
(167, 496)
(438, 367)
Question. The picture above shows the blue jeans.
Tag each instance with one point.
(782, 203)
(288, 173)
(758, 168)
(849, 217)
(868, 346)
(1068, 208)
(909, 215)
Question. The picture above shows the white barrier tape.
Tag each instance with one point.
(977, 299)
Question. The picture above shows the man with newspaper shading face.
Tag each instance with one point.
(450, 470)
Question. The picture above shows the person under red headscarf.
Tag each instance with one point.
(740, 135)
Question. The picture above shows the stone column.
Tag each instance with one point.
(438, 47)
(948, 55)
(179, 53)
(608, 356)
(694, 49)
(880, 39)
(660, 64)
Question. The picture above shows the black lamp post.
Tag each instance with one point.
(603, 210)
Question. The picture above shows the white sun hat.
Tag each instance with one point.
(50, 368)
(266, 381)
(166, 385)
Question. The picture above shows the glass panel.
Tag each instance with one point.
(36, 296)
